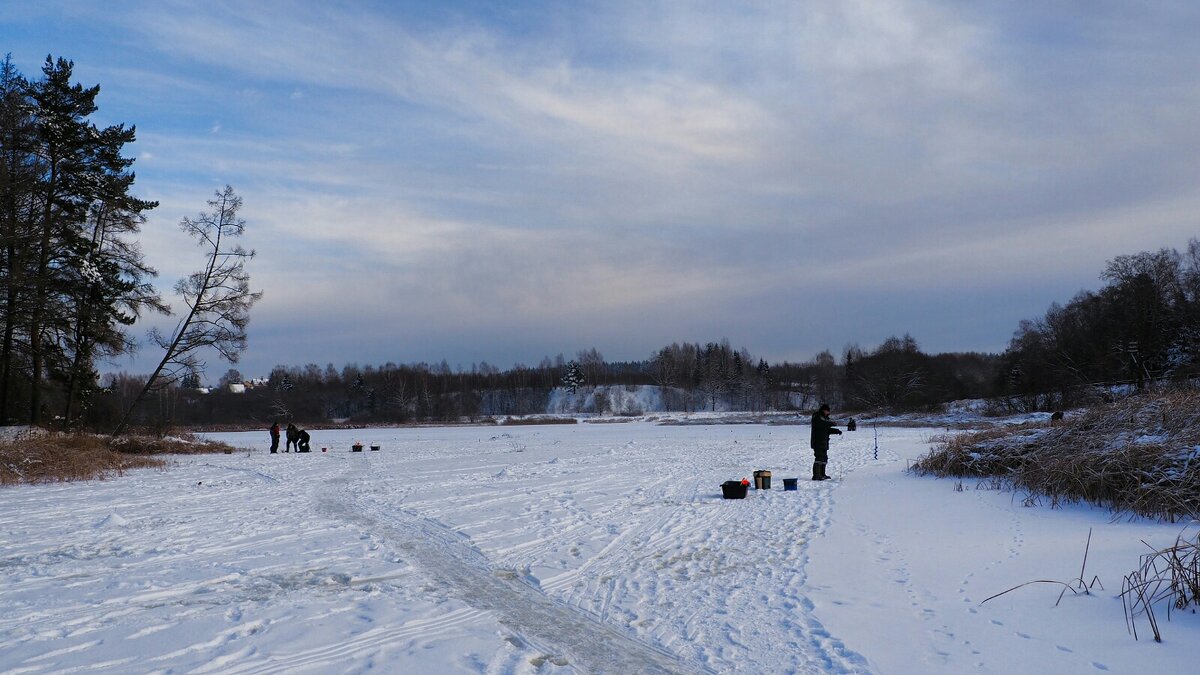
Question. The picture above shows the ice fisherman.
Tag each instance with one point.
(293, 435)
(302, 441)
(822, 429)
(275, 437)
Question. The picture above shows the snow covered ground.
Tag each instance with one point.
(561, 549)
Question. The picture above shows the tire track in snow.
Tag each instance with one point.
(450, 562)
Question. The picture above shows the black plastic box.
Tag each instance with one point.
(733, 489)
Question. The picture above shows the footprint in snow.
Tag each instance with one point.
(111, 520)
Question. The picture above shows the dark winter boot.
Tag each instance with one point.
(819, 471)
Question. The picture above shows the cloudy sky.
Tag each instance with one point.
(478, 181)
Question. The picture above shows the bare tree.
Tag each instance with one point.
(218, 300)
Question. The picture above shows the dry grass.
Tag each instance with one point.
(1140, 456)
(183, 444)
(1169, 577)
(52, 457)
(1075, 585)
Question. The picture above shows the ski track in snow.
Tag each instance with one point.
(526, 549)
(459, 569)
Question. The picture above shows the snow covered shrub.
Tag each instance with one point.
(979, 454)
(183, 444)
(515, 421)
(1139, 455)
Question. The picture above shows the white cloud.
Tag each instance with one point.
(667, 158)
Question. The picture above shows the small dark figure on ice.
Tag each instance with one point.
(302, 441)
(293, 436)
(851, 425)
(822, 429)
(274, 437)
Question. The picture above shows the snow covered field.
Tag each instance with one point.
(559, 549)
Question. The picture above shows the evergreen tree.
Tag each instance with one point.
(573, 377)
(18, 178)
(72, 276)
(190, 381)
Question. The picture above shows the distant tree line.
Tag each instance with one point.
(1141, 329)
(689, 377)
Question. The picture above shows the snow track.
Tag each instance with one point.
(460, 570)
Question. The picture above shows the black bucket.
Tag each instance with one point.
(733, 489)
(762, 480)
(357, 447)
(374, 447)
(789, 483)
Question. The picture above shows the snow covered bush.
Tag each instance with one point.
(1139, 455)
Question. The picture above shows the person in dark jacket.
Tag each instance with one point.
(274, 437)
(822, 429)
(302, 441)
(293, 435)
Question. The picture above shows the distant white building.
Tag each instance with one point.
(237, 388)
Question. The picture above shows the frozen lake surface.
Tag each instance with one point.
(565, 548)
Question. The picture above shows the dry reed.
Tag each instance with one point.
(1140, 456)
(1169, 577)
(53, 457)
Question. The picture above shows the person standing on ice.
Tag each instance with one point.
(274, 437)
(822, 429)
(293, 435)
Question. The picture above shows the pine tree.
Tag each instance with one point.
(573, 378)
(18, 178)
(72, 278)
